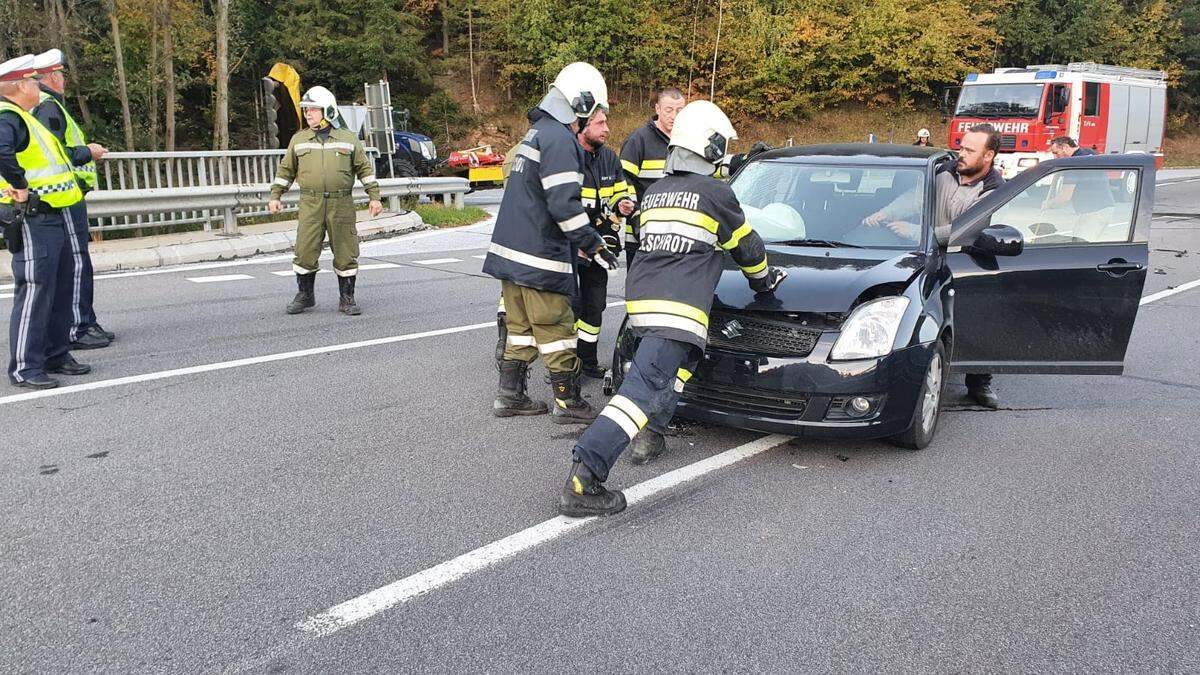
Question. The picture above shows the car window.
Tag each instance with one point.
(1074, 206)
(788, 200)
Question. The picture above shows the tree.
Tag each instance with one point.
(110, 7)
(221, 93)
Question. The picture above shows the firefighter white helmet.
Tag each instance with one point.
(320, 97)
(924, 133)
(702, 128)
(583, 87)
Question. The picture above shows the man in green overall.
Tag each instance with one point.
(324, 160)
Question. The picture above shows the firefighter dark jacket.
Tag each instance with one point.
(644, 159)
(542, 222)
(688, 221)
(604, 185)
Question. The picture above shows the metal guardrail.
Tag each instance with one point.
(183, 169)
(229, 202)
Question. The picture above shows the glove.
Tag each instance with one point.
(612, 243)
(605, 258)
(769, 283)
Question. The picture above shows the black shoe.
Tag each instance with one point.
(647, 445)
(594, 371)
(984, 395)
(98, 331)
(89, 341)
(70, 367)
(346, 303)
(511, 399)
(37, 382)
(569, 405)
(585, 495)
(305, 298)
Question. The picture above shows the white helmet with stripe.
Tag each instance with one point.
(584, 88)
(704, 129)
(320, 97)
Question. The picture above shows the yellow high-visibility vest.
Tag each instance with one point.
(74, 135)
(47, 168)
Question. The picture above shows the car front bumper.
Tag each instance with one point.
(802, 396)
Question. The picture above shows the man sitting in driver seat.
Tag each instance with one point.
(957, 187)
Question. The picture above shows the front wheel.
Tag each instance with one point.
(926, 414)
(622, 357)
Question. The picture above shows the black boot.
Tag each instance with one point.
(37, 382)
(346, 292)
(511, 399)
(98, 331)
(304, 297)
(585, 495)
(647, 445)
(569, 406)
(69, 366)
(979, 389)
(591, 365)
(501, 335)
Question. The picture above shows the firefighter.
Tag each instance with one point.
(324, 160)
(37, 187)
(606, 199)
(922, 138)
(687, 219)
(539, 228)
(51, 111)
(644, 154)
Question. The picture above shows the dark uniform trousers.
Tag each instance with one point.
(82, 284)
(42, 313)
(588, 305)
(647, 397)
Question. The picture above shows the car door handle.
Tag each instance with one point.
(1118, 267)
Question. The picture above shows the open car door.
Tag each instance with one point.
(1065, 302)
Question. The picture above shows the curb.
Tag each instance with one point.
(221, 248)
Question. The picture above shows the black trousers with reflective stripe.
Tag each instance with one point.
(650, 386)
(39, 330)
(588, 305)
(83, 287)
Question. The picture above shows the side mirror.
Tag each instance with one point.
(997, 240)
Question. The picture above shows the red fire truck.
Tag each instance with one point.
(1110, 109)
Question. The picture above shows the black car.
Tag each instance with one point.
(1043, 275)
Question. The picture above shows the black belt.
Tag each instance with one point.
(332, 193)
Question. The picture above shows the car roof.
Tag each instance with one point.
(878, 154)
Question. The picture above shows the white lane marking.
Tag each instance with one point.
(225, 365)
(284, 273)
(437, 261)
(1154, 297)
(7, 295)
(369, 604)
(378, 266)
(481, 257)
(219, 277)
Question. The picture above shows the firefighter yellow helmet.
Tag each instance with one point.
(584, 88)
(320, 97)
(704, 129)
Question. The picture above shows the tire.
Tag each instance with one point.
(622, 354)
(404, 168)
(926, 413)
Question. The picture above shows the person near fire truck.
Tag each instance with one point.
(689, 219)
(539, 229)
(644, 156)
(1084, 191)
(923, 138)
(607, 201)
(957, 187)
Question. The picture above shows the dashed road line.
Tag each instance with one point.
(437, 261)
(215, 278)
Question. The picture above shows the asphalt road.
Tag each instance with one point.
(193, 516)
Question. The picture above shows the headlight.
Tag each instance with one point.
(428, 150)
(871, 329)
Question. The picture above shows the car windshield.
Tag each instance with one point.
(833, 205)
(1000, 100)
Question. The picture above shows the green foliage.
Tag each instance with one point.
(439, 215)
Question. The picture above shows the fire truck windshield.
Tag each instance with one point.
(1000, 100)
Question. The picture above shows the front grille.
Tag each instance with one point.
(745, 400)
(1008, 142)
(757, 335)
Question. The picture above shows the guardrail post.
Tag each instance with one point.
(459, 200)
(394, 203)
(231, 226)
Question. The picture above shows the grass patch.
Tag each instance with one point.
(448, 216)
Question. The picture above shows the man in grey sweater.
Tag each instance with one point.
(958, 186)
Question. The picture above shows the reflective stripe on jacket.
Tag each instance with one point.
(644, 160)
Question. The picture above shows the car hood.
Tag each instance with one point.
(819, 279)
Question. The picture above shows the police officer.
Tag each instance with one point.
(37, 185)
(644, 154)
(539, 228)
(606, 199)
(51, 111)
(324, 160)
(687, 219)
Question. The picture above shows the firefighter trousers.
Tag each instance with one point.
(539, 322)
(589, 305)
(647, 397)
(320, 215)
